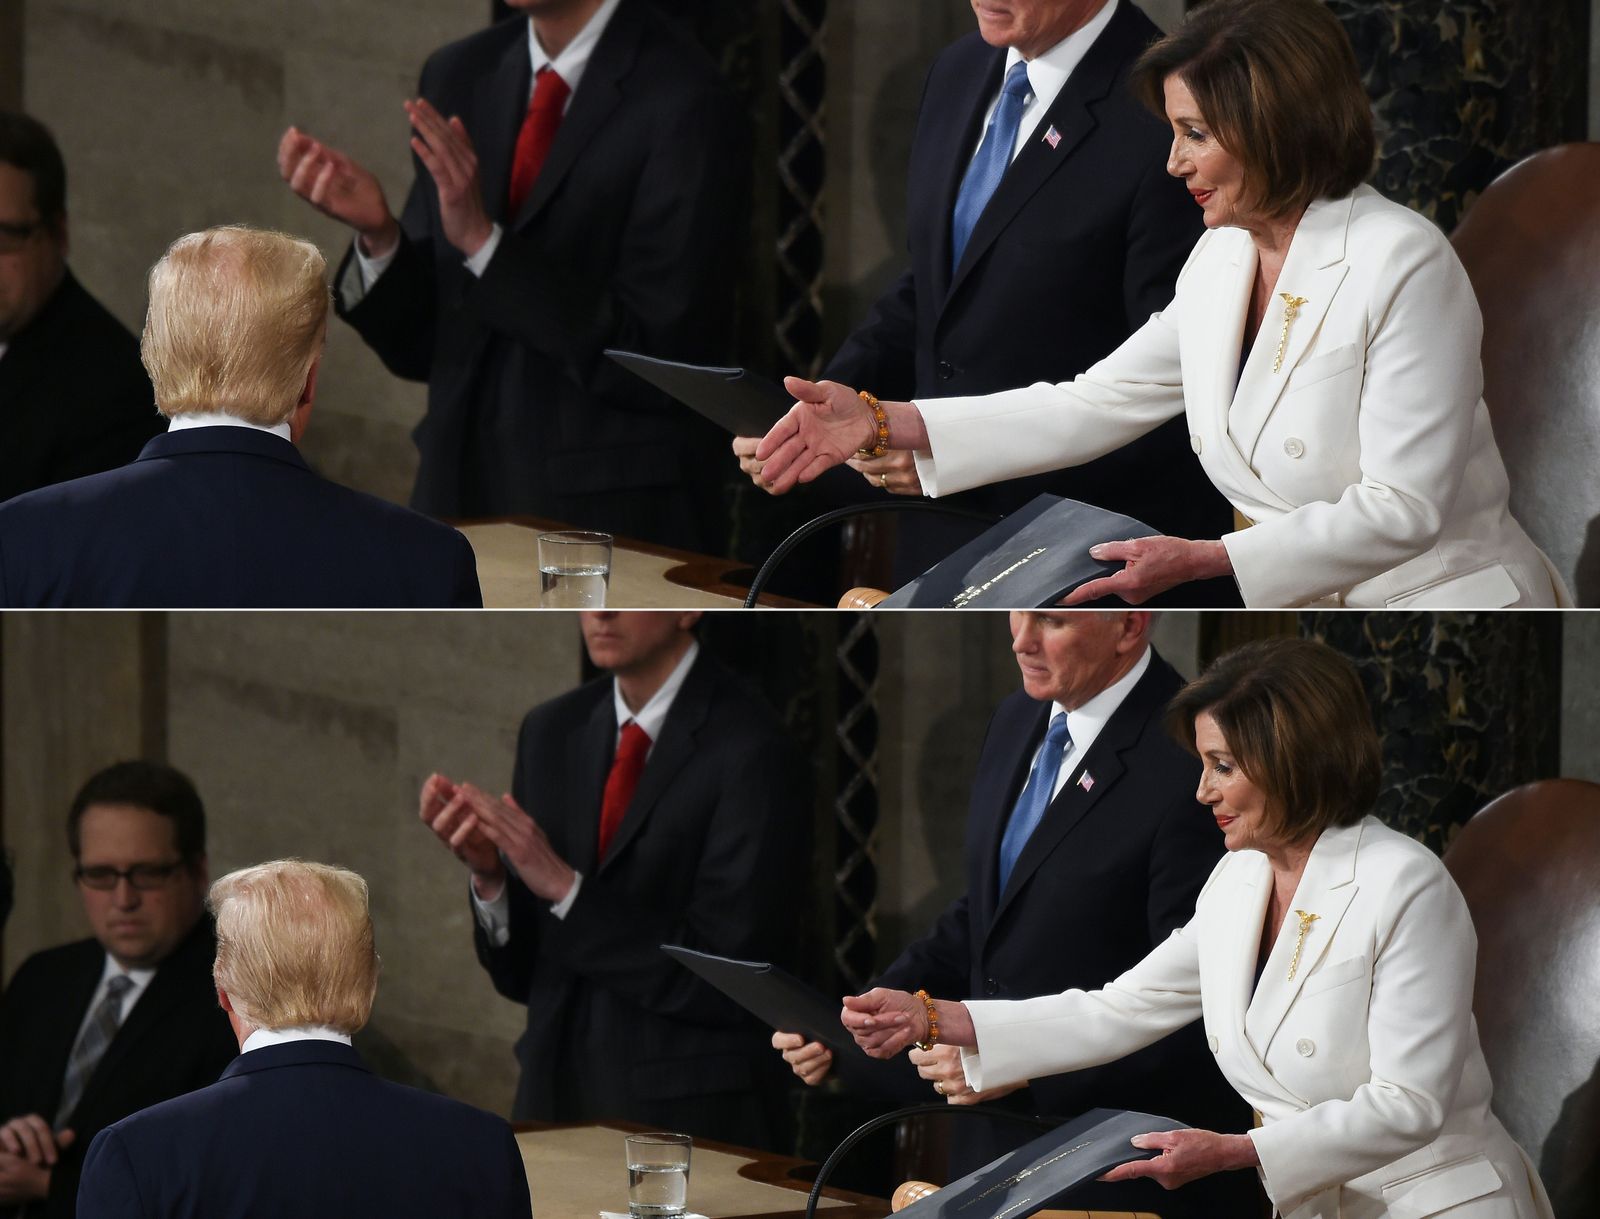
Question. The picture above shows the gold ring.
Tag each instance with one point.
(883, 481)
(938, 1086)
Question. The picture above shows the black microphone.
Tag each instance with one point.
(846, 513)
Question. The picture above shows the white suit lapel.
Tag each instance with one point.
(1325, 890)
(1229, 947)
(1311, 274)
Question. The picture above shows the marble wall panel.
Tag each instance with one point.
(72, 700)
(1580, 696)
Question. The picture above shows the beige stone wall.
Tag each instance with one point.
(169, 114)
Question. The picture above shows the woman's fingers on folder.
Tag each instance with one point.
(1186, 1155)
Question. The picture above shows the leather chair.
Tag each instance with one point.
(1529, 865)
(1531, 246)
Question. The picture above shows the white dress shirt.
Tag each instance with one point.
(570, 66)
(179, 423)
(262, 1038)
(494, 916)
(1047, 75)
(1084, 724)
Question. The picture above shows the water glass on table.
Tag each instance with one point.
(574, 569)
(658, 1174)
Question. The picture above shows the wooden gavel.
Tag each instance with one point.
(910, 1191)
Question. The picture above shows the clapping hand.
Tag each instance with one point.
(338, 187)
(447, 153)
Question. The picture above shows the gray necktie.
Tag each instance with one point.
(91, 1045)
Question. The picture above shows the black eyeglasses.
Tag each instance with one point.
(143, 876)
(14, 236)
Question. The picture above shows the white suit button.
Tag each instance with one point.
(1294, 448)
(1306, 1047)
(1194, 441)
(1212, 1042)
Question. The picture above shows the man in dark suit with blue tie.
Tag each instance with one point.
(581, 172)
(1043, 229)
(298, 1124)
(221, 510)
(1085, 848)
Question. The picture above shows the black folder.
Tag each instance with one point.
(742, 403)
(1031, 559)
(1034, 1176)
(782, 1001)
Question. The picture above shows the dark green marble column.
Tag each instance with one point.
(1468, 706)
(1463, 89)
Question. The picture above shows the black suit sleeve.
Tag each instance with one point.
(109, 1188)
(941, 961)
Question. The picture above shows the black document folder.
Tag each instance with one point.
(1034, 1176)
(1033, 558)
(742, 403)
(782, 1001)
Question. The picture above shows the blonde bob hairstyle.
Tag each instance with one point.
(237, 316)
(294, 945)
(1297, 723)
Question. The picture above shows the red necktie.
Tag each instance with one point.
(626, 768)
(538, 132)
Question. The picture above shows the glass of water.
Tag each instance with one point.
(574, 570)
(658, 1174)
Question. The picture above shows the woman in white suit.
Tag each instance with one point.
(1323, 342)
(1330, 958)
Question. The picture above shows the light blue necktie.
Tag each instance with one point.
(1035, 796)
(989, 166)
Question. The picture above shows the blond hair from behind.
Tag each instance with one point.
(236, 318)
(295, 946)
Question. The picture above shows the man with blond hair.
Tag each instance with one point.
(298, 1124)
(221, 510)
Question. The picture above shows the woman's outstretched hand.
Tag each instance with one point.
(884, 1021)
(824, 428)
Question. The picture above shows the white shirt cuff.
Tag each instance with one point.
(477, 264)
(493, 916)
(564, 906)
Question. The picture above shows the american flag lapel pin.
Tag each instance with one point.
(1086, 781)
(1052, 137)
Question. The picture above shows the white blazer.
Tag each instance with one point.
(1365, 458)
(1365, 1067)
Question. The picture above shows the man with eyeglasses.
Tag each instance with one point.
(74, 399)
(98, 1029)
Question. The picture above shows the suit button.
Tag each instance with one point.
(1305, 1047)
(991, 987)
(1194, 441)
(1212, 1042)
(944, 370)
(1294, 448)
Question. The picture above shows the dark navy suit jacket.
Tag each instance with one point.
(305, 1128)
(225, 517)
